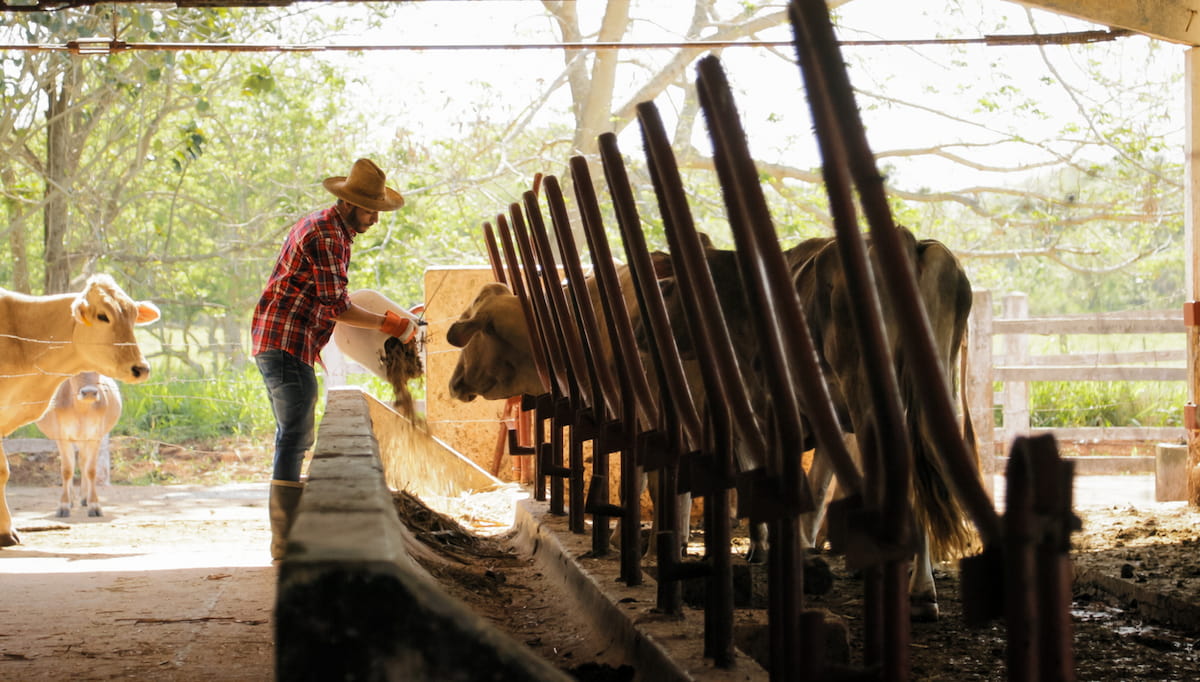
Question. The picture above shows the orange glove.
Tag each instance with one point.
(399, 327)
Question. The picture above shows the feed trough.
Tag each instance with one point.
(353, 602)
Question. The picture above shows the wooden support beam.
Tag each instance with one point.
(1191, 218)
(1174, 20)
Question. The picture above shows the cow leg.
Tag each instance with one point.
(759, 543)
(683, 516)
(922, 594)
(8, 534)
(820, 477)
(824, 490)
(756, 553)
(89, 456)
(66, 463)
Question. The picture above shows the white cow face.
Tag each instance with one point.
(105, 317)
(497, 359)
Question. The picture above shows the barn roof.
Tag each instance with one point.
(1173, 20)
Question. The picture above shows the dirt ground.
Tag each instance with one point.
(175, 581)
(1136, 608)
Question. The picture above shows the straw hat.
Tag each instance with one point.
(365, 188)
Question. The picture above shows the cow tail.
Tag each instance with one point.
(937, 507)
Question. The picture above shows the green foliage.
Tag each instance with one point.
(192, 165)
(182, 409)
(258, 82)
(1101, 403)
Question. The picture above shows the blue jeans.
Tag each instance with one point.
(292, 388)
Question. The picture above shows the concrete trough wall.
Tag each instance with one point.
(352, 603)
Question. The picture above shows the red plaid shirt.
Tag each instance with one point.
(307, 288)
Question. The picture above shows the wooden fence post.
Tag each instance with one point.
(1191, 221)
(978, 384)
(1016, 352)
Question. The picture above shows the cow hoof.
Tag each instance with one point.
(923, 611)
(818, 578)
(9, 539)
(63, 512)
(94, 511)
(756, 555)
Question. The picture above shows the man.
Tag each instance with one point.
(305, 295)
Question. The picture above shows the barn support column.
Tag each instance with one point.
(1192, 307)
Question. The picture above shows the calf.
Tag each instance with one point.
(44, 338)
(82, 412)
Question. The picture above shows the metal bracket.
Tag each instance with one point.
(1191, 314)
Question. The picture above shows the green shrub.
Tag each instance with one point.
(183, 409)
(1057, 404)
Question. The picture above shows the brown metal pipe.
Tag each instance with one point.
(1019, 568)
(489, 238)
(582, 426)
(604, 400)
(726, 394)
(541, 361)
(620, 324)
(769, 282)
(556, 406)
(654, 314)
(517, 285)
(887, 477)
(1052, 503)
(572, 343)
(637, 406)
(725, 391)
(816, 33)
(559, 379)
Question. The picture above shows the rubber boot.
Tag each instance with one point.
(285, 497)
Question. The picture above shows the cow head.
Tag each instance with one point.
(85, 386)
(497, 358)
(103, 336)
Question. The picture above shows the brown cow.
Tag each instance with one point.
(821, 287)
(44, 339)
(496, 361)
(82, 412)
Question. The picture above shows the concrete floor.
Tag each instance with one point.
(1093, 490)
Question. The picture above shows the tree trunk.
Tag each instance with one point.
(17, 245)
(595, 110)
(591, 92)
(58, 181)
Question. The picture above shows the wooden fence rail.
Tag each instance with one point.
(1010, 363)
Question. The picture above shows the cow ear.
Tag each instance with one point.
(147, 313)
(661, 261)
(460, 333)
(79, 311)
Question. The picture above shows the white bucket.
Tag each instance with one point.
(366, 346)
